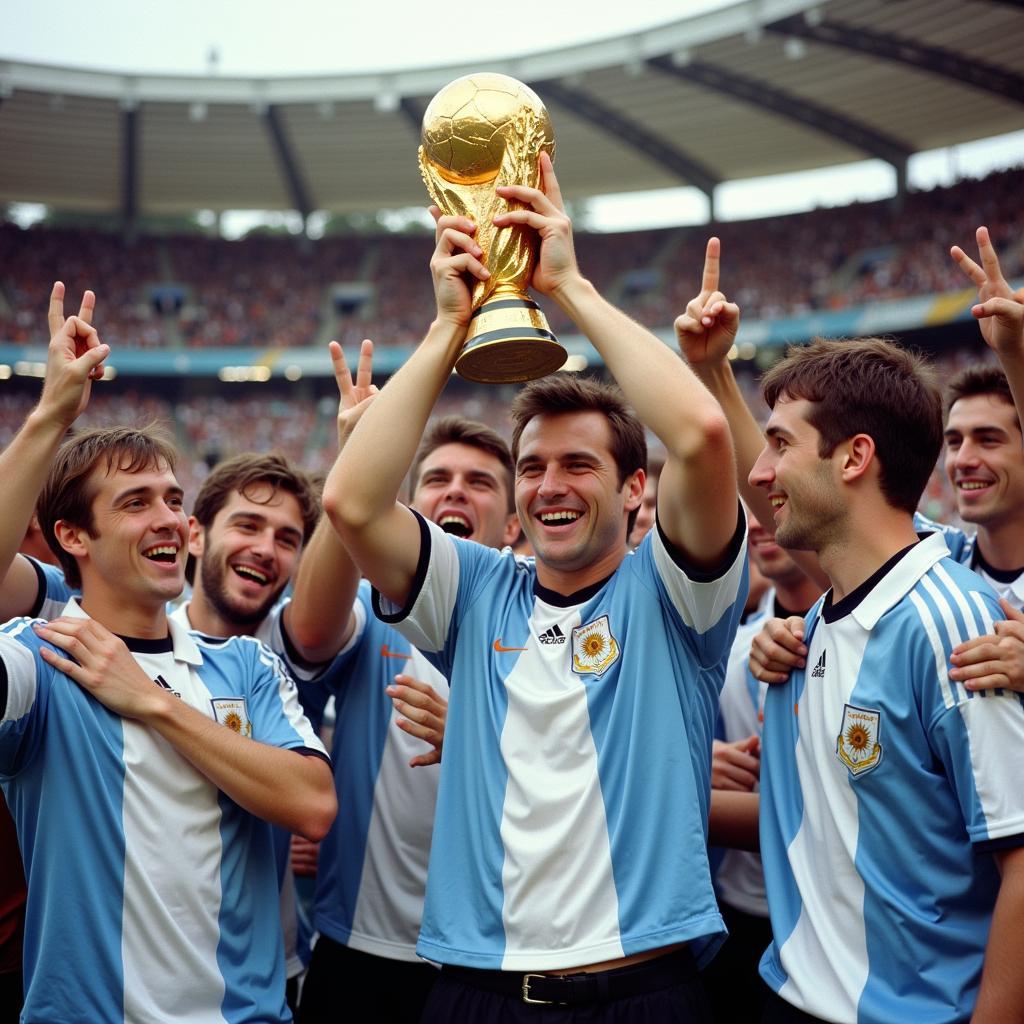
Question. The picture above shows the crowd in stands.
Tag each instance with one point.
(271, 292)
(207, 429)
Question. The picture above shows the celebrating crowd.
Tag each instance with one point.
(510, 772)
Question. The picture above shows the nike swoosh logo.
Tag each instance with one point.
(503, 650)
(385, 653)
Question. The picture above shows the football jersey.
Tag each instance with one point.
(53, 592)
(739, 878)
(152, 895)
(372, 872)
(964, 548)
(571, 822)
(883, 785)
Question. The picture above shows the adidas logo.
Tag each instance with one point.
(552, 636)
(819, 669)
(163, 684)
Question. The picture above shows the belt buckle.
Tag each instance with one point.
(526, 991)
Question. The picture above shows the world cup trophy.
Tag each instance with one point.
(479, 132)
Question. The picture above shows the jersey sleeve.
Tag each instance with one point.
(274, 710)
(449, 575)
(53, 591)
(708, 602)
(959, 544)
(275, 636)
(24, 681)
(976, 735)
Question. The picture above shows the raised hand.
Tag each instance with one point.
(707, 330)
(736, 765)
(425, 713)
(778, 649)
(456, 261)
(988, 662)
(354, 398)
(73, 360)
(1000, 309)
(544, 210)
(102, 665)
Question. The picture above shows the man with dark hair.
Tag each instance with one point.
(138, 764)
(372, 869)
(563, 871)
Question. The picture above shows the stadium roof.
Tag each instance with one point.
(760, 87)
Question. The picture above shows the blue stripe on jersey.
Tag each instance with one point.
(79, 839)
(363, 712)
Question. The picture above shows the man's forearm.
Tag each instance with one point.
(1001, 997)
(284, 787)
(318, 618)
(666, 394)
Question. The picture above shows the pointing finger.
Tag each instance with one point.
(55, 313)
(989, 259)
(341, 372)
(364, 372)
(712, 258)
(88, 306)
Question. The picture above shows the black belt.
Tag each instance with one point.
(576, 989)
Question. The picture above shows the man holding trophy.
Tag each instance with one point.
(569, 864)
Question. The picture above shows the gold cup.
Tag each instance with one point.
(479, 132)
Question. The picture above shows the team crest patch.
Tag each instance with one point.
(594, 649)
(857, 744)
(231, 712)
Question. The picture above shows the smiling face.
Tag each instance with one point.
(248, 553)
(462, 488)
(800, 483)
(568, 495)
(134, 551)
(984, 460)
(774, 563)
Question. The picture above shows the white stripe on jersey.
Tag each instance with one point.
(947, 686)
(553, 823)
(21, 675)
(832, 916)
(172, 886)
(988, 626)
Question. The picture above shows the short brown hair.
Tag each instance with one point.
(979, 379)
(873, 387)
(459, 430)
(569, 392)
(241, 473)
(68, 495)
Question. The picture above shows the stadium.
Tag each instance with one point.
(133, 183)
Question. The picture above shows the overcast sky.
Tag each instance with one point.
(314, 36)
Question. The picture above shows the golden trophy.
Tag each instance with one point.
(479, 132)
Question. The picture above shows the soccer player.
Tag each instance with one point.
(891, 830)
(373, 864)
(148, 751)
(569, 860)
(732, 980)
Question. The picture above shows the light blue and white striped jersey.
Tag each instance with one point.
(883, 784)
(53, 592)
(571, 823)
(963, 547)
(152, 896)
(372, 871)
(739, 879)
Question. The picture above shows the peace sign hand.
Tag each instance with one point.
(354, 398)
(707, 330)
(1000, 311)
(74, 358)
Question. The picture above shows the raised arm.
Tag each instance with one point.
(74, 359)
(999, 312)
(697, 490)
(361, 493)
(319, 617)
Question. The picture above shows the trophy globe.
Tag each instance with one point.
(479, 132)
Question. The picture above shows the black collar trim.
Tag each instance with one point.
(552, 597)
(832, 612)
(164, 645)
(1002, 575)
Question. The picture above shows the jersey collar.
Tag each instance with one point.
(900, 579)
(184, 647)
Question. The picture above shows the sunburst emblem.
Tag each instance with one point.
(594, 648)
(857, 738)
(857, 745)
(233, 721)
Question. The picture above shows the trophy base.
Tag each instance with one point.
(509, 342)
